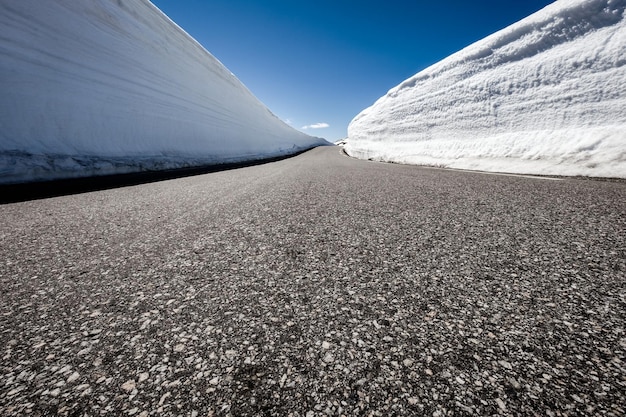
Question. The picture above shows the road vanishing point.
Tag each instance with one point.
(317, 285)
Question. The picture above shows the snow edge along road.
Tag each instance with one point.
(25, 191)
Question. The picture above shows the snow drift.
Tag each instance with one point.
(93, 87)
(546, 95)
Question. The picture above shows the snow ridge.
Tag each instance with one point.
(546, 95)
(93, 87)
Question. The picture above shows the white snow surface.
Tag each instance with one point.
(546, 95)
(93, 87)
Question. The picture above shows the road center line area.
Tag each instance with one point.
(317, 285)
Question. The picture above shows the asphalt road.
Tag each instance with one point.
(317, 285)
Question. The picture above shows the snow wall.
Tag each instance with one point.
(93, 87)
(546, 95)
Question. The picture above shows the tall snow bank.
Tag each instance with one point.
(107, 86)
(546, 95)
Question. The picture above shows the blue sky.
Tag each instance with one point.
(323, 61)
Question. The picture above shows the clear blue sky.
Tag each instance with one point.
(324, 61)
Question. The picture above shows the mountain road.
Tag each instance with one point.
(317, 285)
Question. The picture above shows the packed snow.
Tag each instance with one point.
(546, 95)
(93, 87)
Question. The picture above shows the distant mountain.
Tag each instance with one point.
(92, 87)
(546, 95)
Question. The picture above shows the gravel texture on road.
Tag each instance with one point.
(317, 285)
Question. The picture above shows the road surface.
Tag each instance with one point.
(317, 285)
